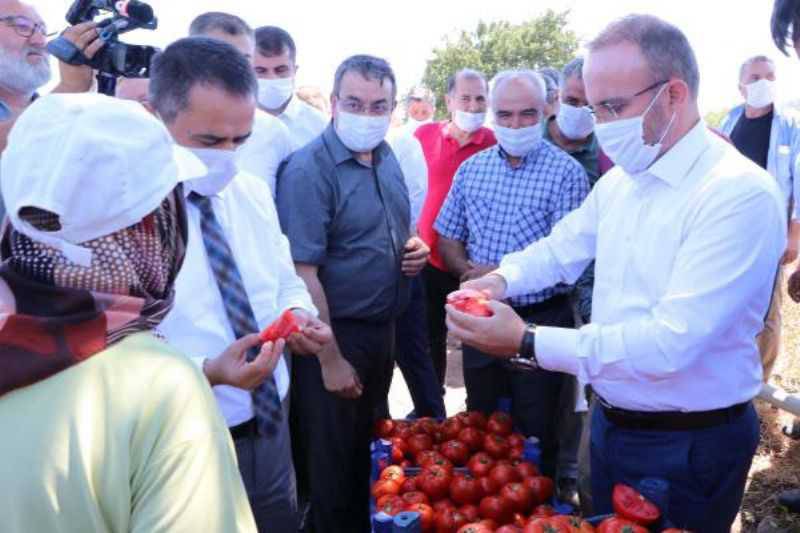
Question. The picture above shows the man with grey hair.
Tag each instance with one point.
(270, 142)
(687, 235)
(344, 206)
(502, 200)
(769, 135)
(446, 145)
(551, 77)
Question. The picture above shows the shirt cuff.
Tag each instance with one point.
(512, 274)
(557, 350)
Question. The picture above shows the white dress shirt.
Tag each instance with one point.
(269, 144)
(198, 325)
(304, 122)
(686, 257)
(408, 151)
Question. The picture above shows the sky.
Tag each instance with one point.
(723, 32)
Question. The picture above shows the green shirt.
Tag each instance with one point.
(130, 440)
(586, 155)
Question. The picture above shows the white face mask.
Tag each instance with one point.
(272, 94)
(469, 122)
(222, 168)
(518, 142)
(413, 124)
(361, 133)
(623, 141)
(575, 123)
(760, 93)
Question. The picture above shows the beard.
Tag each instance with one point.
(20, 76)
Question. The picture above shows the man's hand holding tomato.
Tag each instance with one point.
(415, 257)
(232, 367)
(314, 334)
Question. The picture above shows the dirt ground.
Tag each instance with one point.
(777, 463)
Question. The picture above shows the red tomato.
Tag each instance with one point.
(456, 451)
(382, 487)
(519, 520)
(509, 528)
(495, 508)
(415, 497)
(480, 464)
(392, 505)
(384, 428)
(575, 524)
(409, 485)
(471, 302)
(476, 527)
(419, 442)
(435, 482)
(282, 328)
(465, 489)
(471, 512)
(406, 463)
(496, 446)
(629, 503)
(619, 525)
(503, 474)
(399, 447)
(541, 487)
(525, 469)
(489, 486)
(394, 473)
(426, 425)
(516, 454)
(473, 419)
(404, 431)
(500, 424)
(450, 520)
(430, 457)
(443, 505)
(543, 511)
(426, 516)
(452, 427)
(472, 437)
(520, 497)
(547, 525)
(516, 440)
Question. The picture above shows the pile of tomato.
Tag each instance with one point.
(472, 479)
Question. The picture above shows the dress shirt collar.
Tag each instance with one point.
(341, 153)
(674, 165)
(527, 158)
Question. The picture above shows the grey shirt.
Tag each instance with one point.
(352, 221)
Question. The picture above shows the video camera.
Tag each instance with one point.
(116, 58)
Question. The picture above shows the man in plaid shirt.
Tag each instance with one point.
(503, 199)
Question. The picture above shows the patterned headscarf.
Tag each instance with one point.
(55, 314)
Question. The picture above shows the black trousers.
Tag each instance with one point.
(534, 395)
(438, 284)
(332, 434)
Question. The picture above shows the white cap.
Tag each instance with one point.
(99, 163)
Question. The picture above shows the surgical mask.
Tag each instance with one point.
(272, 94)
(469, 122)
(413, 124)
(623, 141)
(518, 142)
(575, 123)
(222, 168)
(361, 133)
(760, 93)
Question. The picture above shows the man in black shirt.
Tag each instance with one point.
(751, 133)
(751, 136)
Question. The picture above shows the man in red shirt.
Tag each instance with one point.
(447, 144)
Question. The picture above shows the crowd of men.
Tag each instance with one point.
(627, 249)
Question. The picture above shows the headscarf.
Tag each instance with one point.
(55, 314)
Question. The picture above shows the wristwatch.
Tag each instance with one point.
(526, 358)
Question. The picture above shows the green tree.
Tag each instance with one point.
(543, 41)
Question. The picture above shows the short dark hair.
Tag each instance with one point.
(572, 69)
(218, 21)
(665, 48)
(193, 61)
(754, 59)
(785, 23)
(468, 73)
(273, 41)
(371, 67)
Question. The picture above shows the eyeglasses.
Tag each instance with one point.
(26, 27)
(612, 108)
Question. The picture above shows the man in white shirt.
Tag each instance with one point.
(270, 142)
(687, 235)
(238, 275)
(276, 67)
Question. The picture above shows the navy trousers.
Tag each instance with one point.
(413, 355)
(706, 469)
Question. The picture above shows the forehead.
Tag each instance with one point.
(244, 43)
(12, 7)
(469, 85)
(354, 84)
(758, 67)
(615, 71)
(516, 92)
(274, 59)
(211, 101)
(573, 86)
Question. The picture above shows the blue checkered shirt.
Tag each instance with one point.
(495, 209)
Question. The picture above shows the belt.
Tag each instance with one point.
(244, 430)
(557, 301)
(671, 420)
